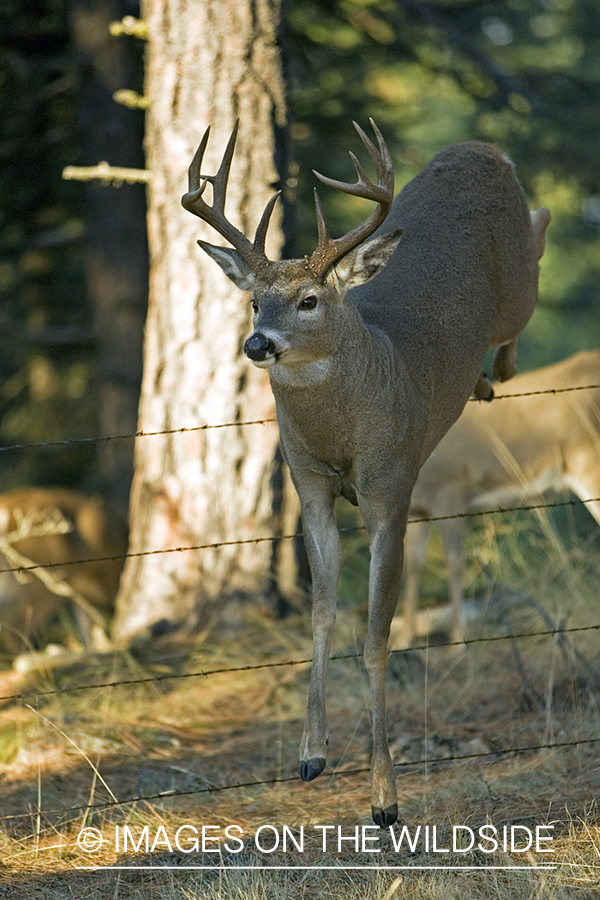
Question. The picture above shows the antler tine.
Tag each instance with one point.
(322, 229)
(214, 215)
(362, 188)
(373, 152)
(263, 225)
(196, 163)
(381, 157)
(328, 251)
(220, 180)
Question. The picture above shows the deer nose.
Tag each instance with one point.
(258, 346)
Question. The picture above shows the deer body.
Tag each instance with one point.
(368, 375)
(513, 451)
(56, 525)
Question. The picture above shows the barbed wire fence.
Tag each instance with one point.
(137, 434)
(268, 538)
(278, 664)
(288, 779)
(494, 754)
(433, 763)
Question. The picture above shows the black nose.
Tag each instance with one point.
(258, 346)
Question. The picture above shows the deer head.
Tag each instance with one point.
(298, 303)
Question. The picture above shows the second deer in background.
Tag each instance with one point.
(512, 451)
(56, 528)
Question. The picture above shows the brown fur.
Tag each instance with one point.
(507, 453)
(26, 605)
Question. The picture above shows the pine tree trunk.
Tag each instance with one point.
(207, 63)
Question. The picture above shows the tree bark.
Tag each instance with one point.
(207, 63)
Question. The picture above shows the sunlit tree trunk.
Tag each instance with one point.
(207, 63)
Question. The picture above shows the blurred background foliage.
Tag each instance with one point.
(44, 389)
(56, 63)
(524, 73)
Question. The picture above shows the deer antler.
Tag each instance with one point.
(329, 250)
(252, 252)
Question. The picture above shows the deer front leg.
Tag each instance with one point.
(323, 549)
(386, 532)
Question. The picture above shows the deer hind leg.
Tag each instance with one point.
(483, 389)
(386, 533)
(504, 365)
(323, 549)
(540, 219)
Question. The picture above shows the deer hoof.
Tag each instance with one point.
(309, 769)
(483, 389)
(385, 817)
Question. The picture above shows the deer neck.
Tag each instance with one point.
(326, 404)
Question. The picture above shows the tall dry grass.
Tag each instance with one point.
(190, 736)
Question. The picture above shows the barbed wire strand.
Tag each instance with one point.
(578, 387)
(163, 795)
(283, 537)
(250, 667)
(137, 434)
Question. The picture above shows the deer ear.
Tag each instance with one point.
(234, 266)
(366, 260)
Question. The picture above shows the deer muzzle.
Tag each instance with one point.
(259, 347)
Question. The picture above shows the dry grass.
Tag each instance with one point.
(196, 734)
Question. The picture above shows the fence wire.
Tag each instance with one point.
(284, 537)
(257, 540)
(251, 667)
(240, 785)
(137, 434)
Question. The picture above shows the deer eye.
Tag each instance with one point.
(254, 306)
(309, 302)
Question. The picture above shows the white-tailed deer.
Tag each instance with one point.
(54, 525)
(369, 372)
(511, 451)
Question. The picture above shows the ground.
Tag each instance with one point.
(199, 747)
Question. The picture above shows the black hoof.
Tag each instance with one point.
(385, 817)
(483, 389)
(309, 769)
